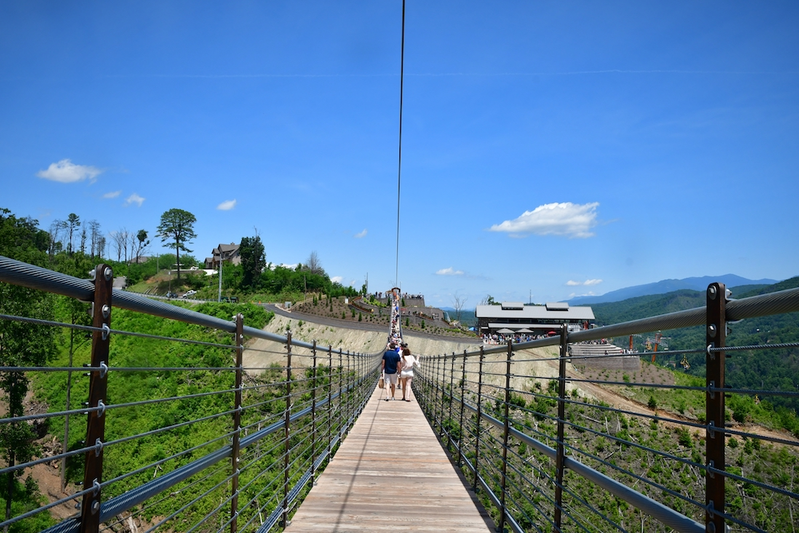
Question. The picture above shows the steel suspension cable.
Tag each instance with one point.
(399, 163)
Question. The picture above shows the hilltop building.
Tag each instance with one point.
(228, 253)
(516, 317)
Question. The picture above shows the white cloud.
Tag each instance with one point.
(65, 171)
(113, 194)
(561, 219)
(227, 205)
(587, 283)
(284, 265)
(361, 235)
(337, 279)
(449, 272)
(134, 199)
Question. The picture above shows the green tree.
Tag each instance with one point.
(253, 261)
(142, 244)
(177, 226)
(21, 344)
(73, 223)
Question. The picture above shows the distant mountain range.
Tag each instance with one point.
(669, 285)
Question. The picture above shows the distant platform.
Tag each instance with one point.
(604, 356)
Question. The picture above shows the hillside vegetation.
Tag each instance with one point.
(755, 370)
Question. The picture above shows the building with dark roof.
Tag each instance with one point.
(535, 319)
(228, 253)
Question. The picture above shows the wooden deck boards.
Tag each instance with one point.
(390, 474)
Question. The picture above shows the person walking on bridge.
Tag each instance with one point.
(391, 363)
(406, 372)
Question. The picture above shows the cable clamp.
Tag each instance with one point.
(103, 369)
(710, 466)
(98, 448)
(710, 391)
(106, 331)
(710, 430)
(101, 405)
(95, 486)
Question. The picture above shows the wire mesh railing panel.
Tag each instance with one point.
(154, 423)
(639, 443)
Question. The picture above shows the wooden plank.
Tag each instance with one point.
(389, 474)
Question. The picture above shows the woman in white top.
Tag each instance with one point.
(406, 376)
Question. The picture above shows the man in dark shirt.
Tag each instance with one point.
(391, 361)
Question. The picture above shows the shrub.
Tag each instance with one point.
(684, 437)
(517, 400)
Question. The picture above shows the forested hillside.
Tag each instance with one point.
(762, 370)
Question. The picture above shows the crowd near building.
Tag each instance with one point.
(497, 324)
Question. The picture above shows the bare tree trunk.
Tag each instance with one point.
(83, 241)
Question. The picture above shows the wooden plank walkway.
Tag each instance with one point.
(390, 474)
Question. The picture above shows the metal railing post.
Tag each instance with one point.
(505, 432)
(479, 418)
(716, 337)
(234, 456)
(329, 402)
(287, 435)
(313, 417)
(98, 389)
(340, 395)
(441, 364)
(350, 389)
(451, 397)
(560, 451)
(460, 418)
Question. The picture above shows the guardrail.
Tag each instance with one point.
(265, 432)
(545, 450)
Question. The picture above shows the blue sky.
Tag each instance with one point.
(552, 148)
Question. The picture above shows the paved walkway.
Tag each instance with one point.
(390, 474)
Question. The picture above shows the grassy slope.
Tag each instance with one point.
(126, 386)
(774, 369)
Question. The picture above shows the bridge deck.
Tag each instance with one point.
(390, 474)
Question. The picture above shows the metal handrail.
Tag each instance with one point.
(442, 390)
(460, 382)
(336, 399)
(26, 275)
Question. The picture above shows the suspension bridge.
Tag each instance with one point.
(308, 445)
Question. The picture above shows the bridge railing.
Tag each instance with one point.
(219, 444)
(547, 447)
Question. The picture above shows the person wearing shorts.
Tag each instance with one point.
(406, 373)
(391, 363)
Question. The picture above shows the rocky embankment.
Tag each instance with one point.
(261, 353)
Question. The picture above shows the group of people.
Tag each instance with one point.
(398, 364)
(498, 338)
